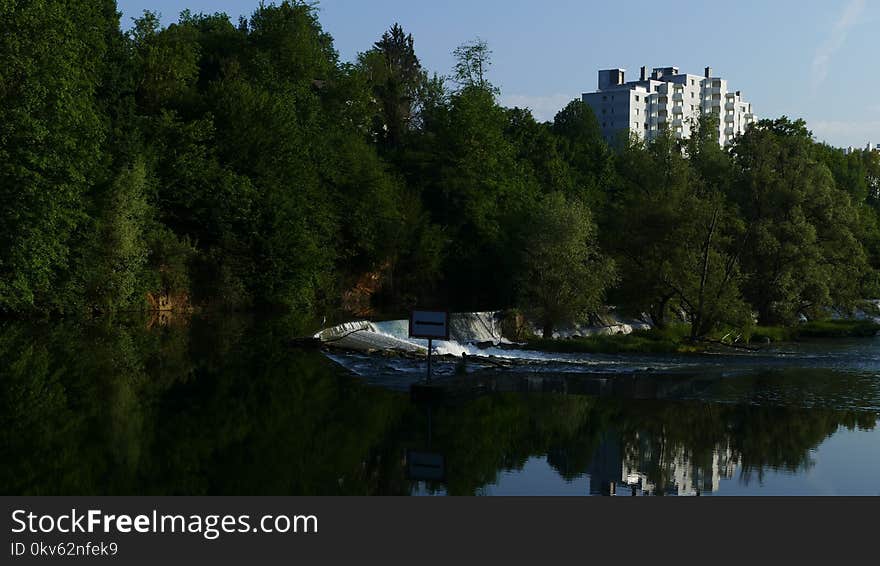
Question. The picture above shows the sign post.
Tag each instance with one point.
(430, 349)
(430, 325)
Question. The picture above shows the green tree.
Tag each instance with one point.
(477, 192)
(52, 133)
(583, 148)
(473, 59)
(675, 234)
(397, 78)
(649, 192)
(538, 148)
(114, 266)
(564, 273)
(802, 253)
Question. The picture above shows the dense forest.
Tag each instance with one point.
(243, 165)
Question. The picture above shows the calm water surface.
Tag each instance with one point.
(225, 406)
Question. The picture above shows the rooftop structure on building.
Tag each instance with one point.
(666, 99)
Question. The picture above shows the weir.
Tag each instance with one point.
(469, 333)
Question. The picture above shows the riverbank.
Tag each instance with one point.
(676, 340)
(669, 341)
(815, 329)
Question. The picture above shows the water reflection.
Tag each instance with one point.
(226, 407)
(635, 447)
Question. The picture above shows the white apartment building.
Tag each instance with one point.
(666, 99)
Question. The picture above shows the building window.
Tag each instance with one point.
(604, 125)
(636, 125)
(637, 98)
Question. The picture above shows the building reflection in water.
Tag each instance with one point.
(645, 467)
(682, 475)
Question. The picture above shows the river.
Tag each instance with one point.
(223, 405)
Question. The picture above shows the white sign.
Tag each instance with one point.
(429, 324)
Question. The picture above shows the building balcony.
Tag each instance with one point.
(729, 117)
(661, 119)
(728, 130)
(677, 109)
(730, 106)
(677, 122)
(678, 96)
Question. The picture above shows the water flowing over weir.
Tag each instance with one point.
(471, 333)
(466, 331)
(383, 354)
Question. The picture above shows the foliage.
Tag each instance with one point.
(636, 342)
(801, 251)
(564, 274)
(51, 140)
(472, 62)
(243, 165)
(397, 80)
(837, 329)
(677, 234)
(841, 328)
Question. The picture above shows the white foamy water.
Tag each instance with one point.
(470, 333)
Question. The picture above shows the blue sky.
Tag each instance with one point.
(813, 59)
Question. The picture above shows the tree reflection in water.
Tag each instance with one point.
(226, 407)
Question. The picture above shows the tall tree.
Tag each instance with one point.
(397, 78)
(675, 233)
(585, 151)
(802, 255)
(564, 274)
(52, 133)
(472, 62)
